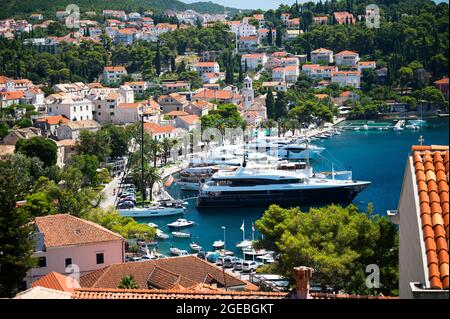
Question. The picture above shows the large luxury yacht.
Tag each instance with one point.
(249, 187)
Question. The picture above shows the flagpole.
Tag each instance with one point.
(253, 238)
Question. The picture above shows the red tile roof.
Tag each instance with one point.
(197, 292)
(65, 230)
(15, 95)
(322, 50)
(153, 128)
(207, 64)
(176, 113)
(129, 105)
(190, 270)
(347, 52)
(431, 165)
(189, 119)
(114, 69)
(4, 79)
(216, 94)
(54, 119)
(441, 81)
(56, 281)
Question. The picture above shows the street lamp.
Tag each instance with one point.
(224, 229)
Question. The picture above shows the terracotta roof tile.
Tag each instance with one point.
(198, 292)
(54, 119)
(56, 281)
(431, 168)
(64, 230)
(189, 269)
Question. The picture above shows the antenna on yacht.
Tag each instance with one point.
(421, 139)
(307, 151)
(244, 163)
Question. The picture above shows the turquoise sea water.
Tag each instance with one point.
(375, 156)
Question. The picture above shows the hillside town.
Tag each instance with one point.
(100, 123)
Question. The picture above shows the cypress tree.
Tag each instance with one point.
(280, 105)
(158, 60)
(173, 65)
(241, 73)
(270, 105)
(270, 37)
(279, 39)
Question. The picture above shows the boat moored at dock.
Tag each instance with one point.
(256, 188)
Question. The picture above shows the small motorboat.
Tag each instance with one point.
(152, 225)
(178, 252)
(412, 127)
(267, 257)
(195, 247)
(244, 244)
(161, 235)
(253, 252)
(218, 244)
(181, 234)
(224, 252)
(181, 222)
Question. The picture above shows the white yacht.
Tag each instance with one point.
(163, 208)
(299, 151)
(218, 244)
(249, 187)
(161, 235)
(178, 252)
(286, 149)
(195, 247)
(181, 234)
(191, 178)
(181, 222)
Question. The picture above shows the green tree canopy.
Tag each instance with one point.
(44, 149)
(337, 242)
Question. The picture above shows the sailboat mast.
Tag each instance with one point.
(142, 161)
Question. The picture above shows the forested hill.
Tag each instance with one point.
(23, 8)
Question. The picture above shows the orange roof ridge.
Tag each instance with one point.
(429, 148)
(431, 166)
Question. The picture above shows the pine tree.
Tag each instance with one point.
(16, 233)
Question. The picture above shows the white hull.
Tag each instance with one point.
(150, 212)
(181, 235)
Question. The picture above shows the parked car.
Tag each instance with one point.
(238, 265)
(126, 204)
(212, 257)
(201, 254)
(249, 265)
(125, 200)
(219, 261)
(228, 262)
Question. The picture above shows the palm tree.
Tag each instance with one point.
(166, 145)
(128, 282)
(150, 176)
(154, 148)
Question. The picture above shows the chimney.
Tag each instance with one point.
(302, 276)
